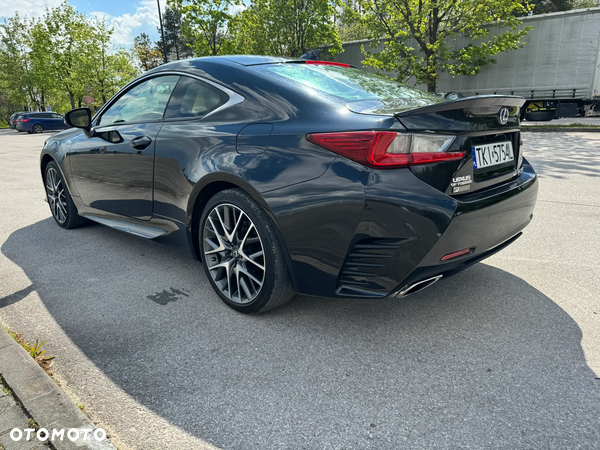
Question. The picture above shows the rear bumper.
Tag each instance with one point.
(485, 224)
(21, 127)
(410, 229)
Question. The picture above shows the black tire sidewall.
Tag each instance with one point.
(236, 197)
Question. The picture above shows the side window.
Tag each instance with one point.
(193, 98)
(143, 102)
(43, 116)
(56, 116)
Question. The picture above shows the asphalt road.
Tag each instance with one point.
(505, 355)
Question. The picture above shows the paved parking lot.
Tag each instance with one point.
(504, 355)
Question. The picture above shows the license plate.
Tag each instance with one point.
(492, 154)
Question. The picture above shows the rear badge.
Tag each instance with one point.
(503, 116)
(461, 184)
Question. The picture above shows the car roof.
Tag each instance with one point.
(252, 60)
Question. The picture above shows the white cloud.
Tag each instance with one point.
(234, 9)
(126, 26)
(28, 8)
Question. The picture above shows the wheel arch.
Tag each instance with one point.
(207, 188)
(48, 157)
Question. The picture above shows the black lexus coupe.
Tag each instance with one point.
(286, 176)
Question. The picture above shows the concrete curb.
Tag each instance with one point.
(43, 399)
(539, 128)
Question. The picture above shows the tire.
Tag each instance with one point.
(241, 253)
(37, 128)
(61, 204)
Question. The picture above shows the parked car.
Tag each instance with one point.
(13, 119)
(285, 175)
(39, 122)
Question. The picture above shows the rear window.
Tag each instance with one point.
(347, 83)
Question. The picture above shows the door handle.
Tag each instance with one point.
(140, 143)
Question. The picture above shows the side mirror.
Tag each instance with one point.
(79, 118)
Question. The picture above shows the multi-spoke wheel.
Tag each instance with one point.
(38, 128)
(241, 254)
(55, 190)
(61, 205)
(234, 253)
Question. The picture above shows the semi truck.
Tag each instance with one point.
(557, 70)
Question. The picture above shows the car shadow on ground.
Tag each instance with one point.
(481, 360)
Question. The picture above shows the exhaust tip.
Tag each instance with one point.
(418, 286)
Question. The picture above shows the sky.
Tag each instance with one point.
(128, 17)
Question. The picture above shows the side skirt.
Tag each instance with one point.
(135, 229)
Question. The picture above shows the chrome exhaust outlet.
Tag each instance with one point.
(418, 286)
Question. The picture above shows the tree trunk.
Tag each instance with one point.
(431, 86)
(72, 98)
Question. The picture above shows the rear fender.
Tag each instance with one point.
(204, 190)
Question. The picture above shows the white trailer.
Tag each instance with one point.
(557, 71)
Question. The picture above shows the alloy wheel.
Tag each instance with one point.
(37, 129)
(234, 253)
(56, 195)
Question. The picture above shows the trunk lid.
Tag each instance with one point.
(487, 130)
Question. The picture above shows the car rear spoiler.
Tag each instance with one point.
(478, 102)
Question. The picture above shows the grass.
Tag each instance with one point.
(35, 350)
(3, 125)
(82, 408)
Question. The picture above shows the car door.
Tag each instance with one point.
(44, 120)
(57, 121)
(113, 170)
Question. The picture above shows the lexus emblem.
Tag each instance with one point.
(503, 116)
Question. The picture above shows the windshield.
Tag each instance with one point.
(352, 85)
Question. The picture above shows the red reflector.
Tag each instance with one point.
(328, 63)
(456, 254)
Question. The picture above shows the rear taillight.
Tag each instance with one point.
(388, 149)
(24, 120)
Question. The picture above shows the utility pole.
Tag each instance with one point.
(162, 32)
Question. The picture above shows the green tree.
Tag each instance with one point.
(550, 6)
(419, 36)
(206, 24)
(349, 23)
(108, 70)
(149, 55)
(7, 105)
(61, 41)
(16, 78)
(287, 27)
(176, 45)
